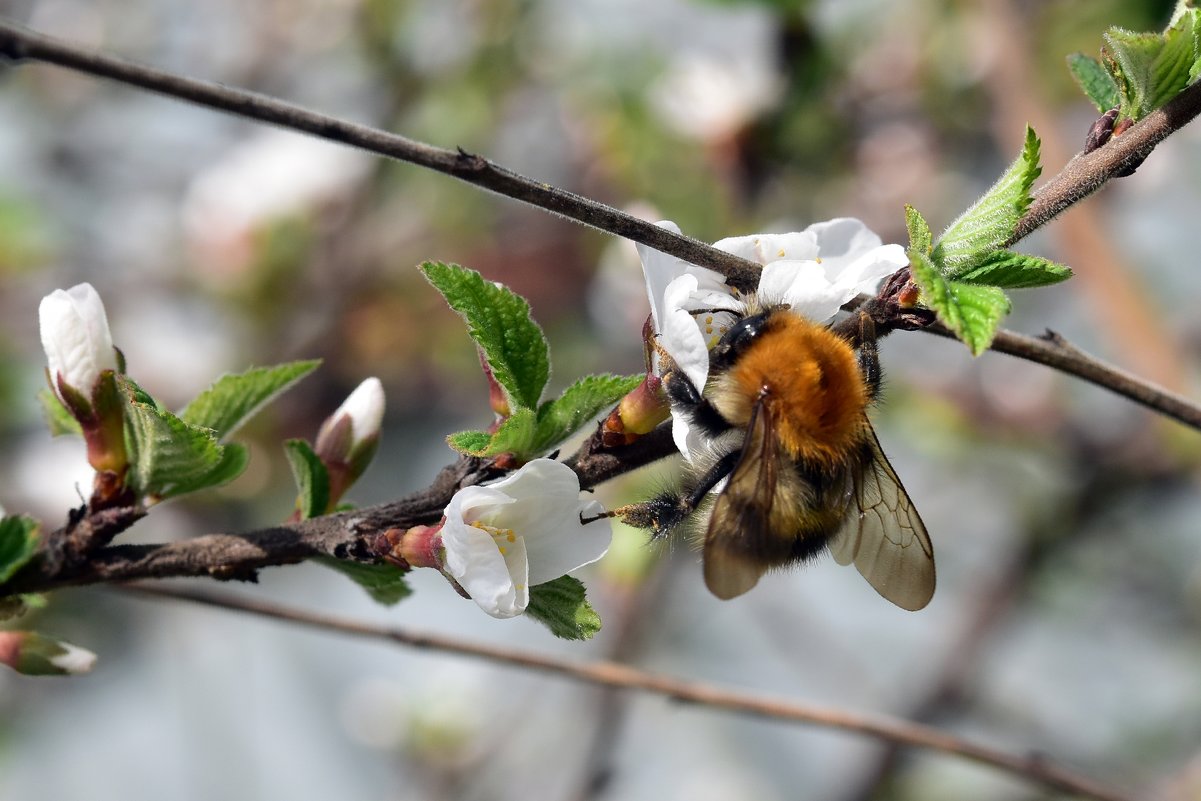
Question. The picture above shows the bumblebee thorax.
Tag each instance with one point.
(808, 380)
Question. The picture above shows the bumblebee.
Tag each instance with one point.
(786, 411)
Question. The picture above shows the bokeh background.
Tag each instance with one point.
(1067, 521)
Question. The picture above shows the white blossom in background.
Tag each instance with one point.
(525, 530)
(271, 175)
(711, 99)
(813, 271)
(76, 338)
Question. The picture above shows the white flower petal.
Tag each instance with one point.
(474, 560)
(864, 273)
(766, 248)
(843, 239)
(803, 286)
(571, 546)
(73, 659)
(365, 407)
(680, 334)
(75, 335)
(660, 269)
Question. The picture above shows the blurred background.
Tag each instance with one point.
(1067, 521)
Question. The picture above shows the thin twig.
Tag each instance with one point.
(1085, 174)
(18, 43)
(1033, 767)
(1052, 350)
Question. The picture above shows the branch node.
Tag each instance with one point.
(13, 47)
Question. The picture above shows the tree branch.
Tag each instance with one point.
(346, 535)
(1032, 767)
(20, 44)
(1087, 173)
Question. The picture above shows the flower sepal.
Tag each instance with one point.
(638, 413)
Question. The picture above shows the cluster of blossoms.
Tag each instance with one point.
(498, 540)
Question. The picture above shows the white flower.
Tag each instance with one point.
(813, 271)
(522, 531)
(76, 338)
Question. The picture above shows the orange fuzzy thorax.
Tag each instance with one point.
(811, 385)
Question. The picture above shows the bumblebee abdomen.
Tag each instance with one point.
(809, 379)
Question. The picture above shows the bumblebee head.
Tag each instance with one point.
(738, 339)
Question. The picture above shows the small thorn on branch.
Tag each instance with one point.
(469, 161)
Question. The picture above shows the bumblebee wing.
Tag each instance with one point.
(743, 510)
(886, 540)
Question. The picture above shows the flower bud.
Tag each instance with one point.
(78, 344)
(496, 393)
(35, 655)
(349, 437)
(638, 413)
(82, 365)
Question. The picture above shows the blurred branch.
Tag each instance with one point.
(1032, 767)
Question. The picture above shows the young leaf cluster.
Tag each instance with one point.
(170, 455)
(518, 356)
(963, 275)
(1139, 72)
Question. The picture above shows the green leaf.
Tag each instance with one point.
(18, 544)
(168, 457)
(385, 583)
(991, 220)
(518, 434)
(1152, 68)
(972, 312)
(472, 443)
(499, 322)
(1011, 270)
(58, 418)
(312, 478)
(561, 606)
(234, 399)
(582, 401)
(234, 458)
(527, 434)
(919, 230)
(1095, 81)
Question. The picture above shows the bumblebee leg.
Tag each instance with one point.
(685, 397)
(664, 512)
(869, 354)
